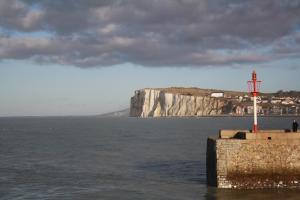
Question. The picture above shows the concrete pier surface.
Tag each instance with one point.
(244, 160)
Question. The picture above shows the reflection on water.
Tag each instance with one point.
(270, 194)
(182, 171)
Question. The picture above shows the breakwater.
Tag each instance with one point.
(244, 160)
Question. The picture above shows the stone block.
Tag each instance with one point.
(254, 162)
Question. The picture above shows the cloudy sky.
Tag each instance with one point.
(82, 57)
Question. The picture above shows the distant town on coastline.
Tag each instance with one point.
(177, 101)
(278, 103)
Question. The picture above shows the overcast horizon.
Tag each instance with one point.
(87, 57)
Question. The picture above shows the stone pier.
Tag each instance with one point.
(245, 160)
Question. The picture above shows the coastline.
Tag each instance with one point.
(215, 116)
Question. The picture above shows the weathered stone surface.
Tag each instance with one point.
(254, 163)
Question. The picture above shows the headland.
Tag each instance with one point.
(188, 102)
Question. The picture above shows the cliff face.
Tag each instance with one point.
(160, 103)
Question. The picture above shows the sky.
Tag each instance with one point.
(87, 57)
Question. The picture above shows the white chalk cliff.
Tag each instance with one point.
(161, 103)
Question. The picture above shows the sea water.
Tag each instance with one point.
(117, 158)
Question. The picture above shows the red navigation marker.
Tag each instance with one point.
(253, 87)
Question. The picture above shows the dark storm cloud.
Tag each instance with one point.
(149, 32)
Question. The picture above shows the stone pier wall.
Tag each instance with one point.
(255, 162)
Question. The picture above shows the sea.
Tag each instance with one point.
(95, 158)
